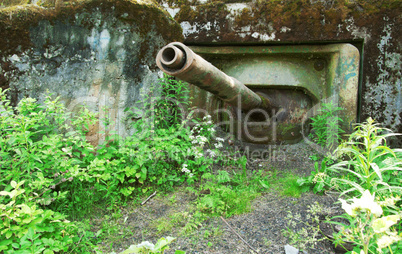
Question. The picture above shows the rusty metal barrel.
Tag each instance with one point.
(176, 59)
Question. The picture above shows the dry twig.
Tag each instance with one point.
(146, 200)
(241, 238)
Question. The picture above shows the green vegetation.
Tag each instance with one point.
(326, 130)
(53, 180)
(289, 185)
(50, 173)
(45, 154)
(368, 173)
(308, 234)
(226, 195)
(219, 194)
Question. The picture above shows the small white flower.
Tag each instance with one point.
(348, 208)
(211, 153)
(185, 169)
(218, 145)
(207, 117)
(198, 155)
(367, 203)
(220, 140)
(364, 203)
(382, 224)
(320, 176)
(386, 240)
(147, 245)
(390, 201)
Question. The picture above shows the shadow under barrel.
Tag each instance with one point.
(176, 59)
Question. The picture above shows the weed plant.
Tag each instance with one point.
(369, 169)
(370, 163)
(366, 163)
(326, 130)
(319, 180)
(304, 232)
(367, 227)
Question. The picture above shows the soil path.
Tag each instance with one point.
(262, 228)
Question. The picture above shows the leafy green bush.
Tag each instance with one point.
(163, 151)
(28, 229)
(326, 130)
(45, 142)
(45, 148)
(42, 145)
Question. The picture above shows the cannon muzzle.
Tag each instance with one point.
(178, 60)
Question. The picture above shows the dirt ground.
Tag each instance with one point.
(262, 228)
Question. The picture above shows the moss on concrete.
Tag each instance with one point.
(16, 21)
(319, 20)
(6, 3)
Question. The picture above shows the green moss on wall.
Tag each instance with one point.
(16, 21)
(13, 2)
(320, 19)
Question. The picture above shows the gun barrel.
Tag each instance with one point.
(178, 60)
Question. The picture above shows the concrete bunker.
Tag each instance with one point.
(268, 92)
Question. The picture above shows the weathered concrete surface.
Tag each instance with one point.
(372, 26)
(294, 78)
(95, 53)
